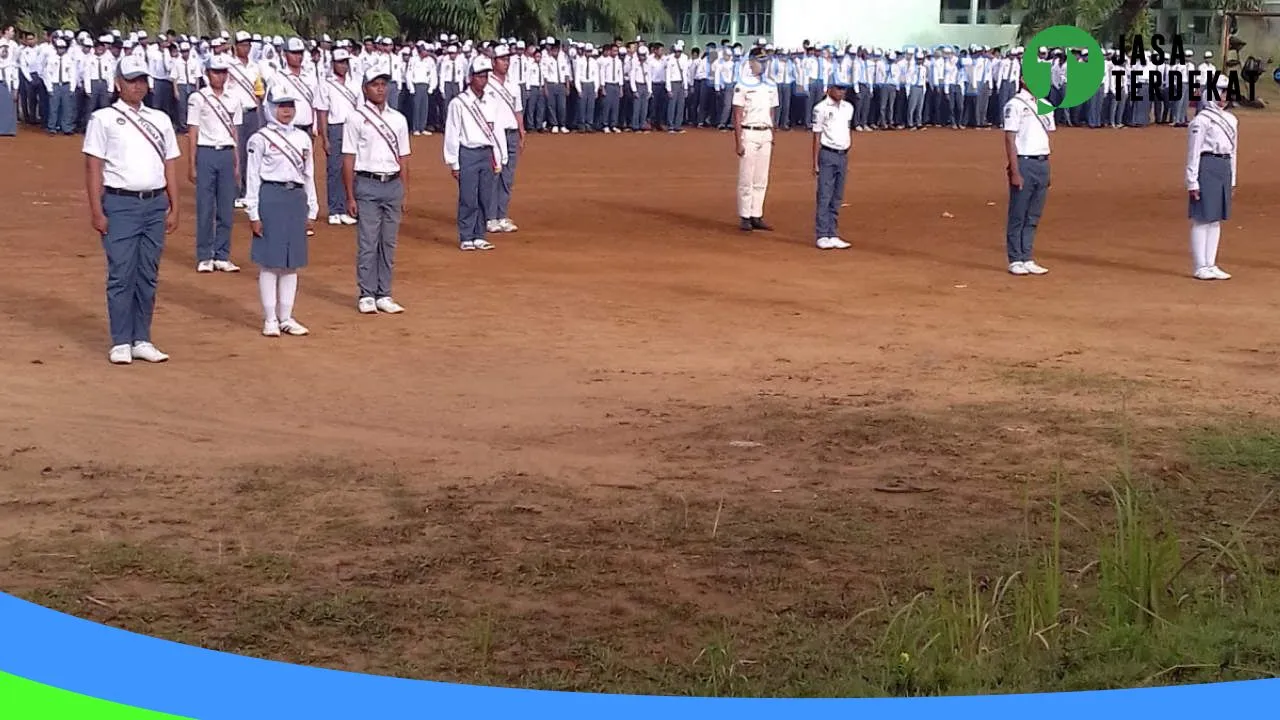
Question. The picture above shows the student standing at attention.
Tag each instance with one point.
(280, 199)
(132, 190)
(753, 103)
(213, 114)
(831, 141)
(475, 153)
(1211, 178)
(375, 141)
(1026, 145)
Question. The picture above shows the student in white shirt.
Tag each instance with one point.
(132, 191)
(337, 101)
(246, 82)
(375, 141)
(502, 94)
(422, 80)
(281, 204)
(475, 153)
(212, 115)
(8, 85)
(185, 71)
(754, 102)
(301, 85)
(1026, 141)
(60, 81)
(832, 138)
(1212, 147)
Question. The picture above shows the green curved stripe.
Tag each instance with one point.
(22, 699)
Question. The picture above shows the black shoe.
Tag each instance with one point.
(746, 225)
(759, 224)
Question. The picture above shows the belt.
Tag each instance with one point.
(1033, 157)
(380, 177)
(756, 127)
(838, 152)
(215, 147)
(139, 194)
(1224, 156)
(285, 185)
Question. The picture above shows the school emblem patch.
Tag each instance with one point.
(120, 121)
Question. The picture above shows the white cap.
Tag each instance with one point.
(132, 67)
(184, 46)
(452, 49)
(106, 39)
(60, 44)
(341, 55)
(86, 42)
(519, 44)
(219, 63)
(642, 49)
(282, 92)
(374, 73)
(277, 40)
(1223, 81)
(142, 34)
(217, 42)
(481, 64)
(325, 38)
(501, 51)
(1208, 54)
(256, 37)
(242, 36)
(1084, 51)
(224, 35)
(679, 45)
(295, 45)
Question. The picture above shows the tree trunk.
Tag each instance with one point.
(1128, 13)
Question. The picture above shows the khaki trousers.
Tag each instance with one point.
(753, 172)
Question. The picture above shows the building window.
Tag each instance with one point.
(995, 12)
(681, 12)
(755, 18)
(954, 12)
(714, 18)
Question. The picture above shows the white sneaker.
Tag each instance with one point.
(147, 351)
(335, 219)
(428, 133)
(240, 203)
(467, 245)
(348, 220)
(1204, 273)
(482, 244)
(417, 133)
(838, 244)
(1031, 267)
(825, 244)
(204, 266)
(506, 226)
(387, 305)
(564, 130)
(1018, 269)
(121, 355)
(367, 306)
(271, 328)
(1219, 273)
(493, 226)
(555, 131)
(293, 327)
(225, 266)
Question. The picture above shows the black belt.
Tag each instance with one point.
(380, 177)
(838, 152)
(284, 185)
(756, 127)
(1224, 156)
(140, 195)
(1033, 157)
(216, 147)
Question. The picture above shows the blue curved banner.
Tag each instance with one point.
(54, 650)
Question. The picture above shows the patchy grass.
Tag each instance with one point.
(1251, 448)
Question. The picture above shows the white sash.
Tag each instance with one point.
(301, 86)
(292, 154)
(473, 107)
(384, 130)
(345, 92)
(243, 81)
(506, 96)
(220, 111)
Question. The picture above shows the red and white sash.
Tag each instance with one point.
(291, 152)
(242, 79)
(501, 89)
(345, 92)
(302, 87)
(384, 130)
(473, 107)
(154, 137)
(224, 116)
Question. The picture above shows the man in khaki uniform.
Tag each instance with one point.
(754, 100)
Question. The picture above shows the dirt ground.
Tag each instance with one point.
(630, 427)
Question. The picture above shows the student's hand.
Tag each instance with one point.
(454, 173)
(171, 219)
(191, 174)
(99, 223)
(1195, 195)
(256, 227)
(816, 171)
(521, 145)
(1015, 178)
(741, 150)
(324, 143)
(352, 210)
(311, 225)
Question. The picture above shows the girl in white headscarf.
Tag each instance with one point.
(281, 201)
(1210, 177)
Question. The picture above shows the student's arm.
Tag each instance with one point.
(1011, 121)
(350, 139)
(819, 125)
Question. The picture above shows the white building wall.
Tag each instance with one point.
(883, 23)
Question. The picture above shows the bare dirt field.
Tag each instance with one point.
(630, 437)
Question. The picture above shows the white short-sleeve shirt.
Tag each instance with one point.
(131, 160)
(757, 98)
(1031, 129)
(361, 138)
(831, 122)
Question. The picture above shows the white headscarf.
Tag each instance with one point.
(270, 106)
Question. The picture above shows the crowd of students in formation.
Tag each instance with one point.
(61, 78)
(256, 111)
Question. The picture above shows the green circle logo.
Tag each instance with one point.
(1084, 77)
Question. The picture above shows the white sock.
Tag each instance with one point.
(288, 293)
(1199, 239)
(1211, 244)
(267, 291)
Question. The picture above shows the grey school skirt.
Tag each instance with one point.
(283, 212)
(1214, 204)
